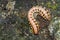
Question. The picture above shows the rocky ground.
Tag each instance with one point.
(14, 24)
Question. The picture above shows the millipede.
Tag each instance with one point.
(44, 16)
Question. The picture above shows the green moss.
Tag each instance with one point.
(52, 6)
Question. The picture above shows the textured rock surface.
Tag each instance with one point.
(14, 24)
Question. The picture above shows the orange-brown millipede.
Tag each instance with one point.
(42, 12)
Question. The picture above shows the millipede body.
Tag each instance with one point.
(43, 14)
